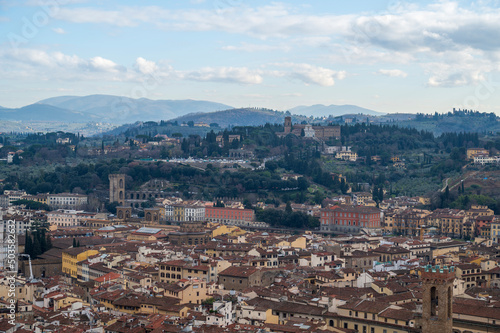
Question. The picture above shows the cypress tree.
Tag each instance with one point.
(37, 250)
(43, 241)
(48, 242)
(78, 243)
(74, 242)
(28, 247)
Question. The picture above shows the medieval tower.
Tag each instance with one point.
(288, 125)
(117, 188)
(437, 299)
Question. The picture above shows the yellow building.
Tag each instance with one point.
(179, 213)
(67, 301)
(298, 242)
(223, 229)
(41, 198)
(23, 290)
(187, 291)
(71, 257)
(471, 152)
(175, 270)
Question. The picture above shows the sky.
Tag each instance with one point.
(389, 56)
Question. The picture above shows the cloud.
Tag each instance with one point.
(102, 64)
(311, 74)
(392, 72)
(402, 33)
(57, 65)
(247, 47)
(145, 66)
(26, 63)
(59, 31)
(225, 74)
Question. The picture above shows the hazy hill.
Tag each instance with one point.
(122, 110)
(320, 110)
(455, 122)
(240, 117)
(42, 112)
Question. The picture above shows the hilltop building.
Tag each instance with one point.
(320, 132)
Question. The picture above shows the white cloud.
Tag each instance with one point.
(105, 65)
(311, 74)
(25, 63)
(404, 33)
(145, 66)
(393, 72)
(59, 31)
(225, 74)
(247, 47)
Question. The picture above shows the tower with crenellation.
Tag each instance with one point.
(437, 299)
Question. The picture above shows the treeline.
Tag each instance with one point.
(286, 218)
(37, 243)
(456, 113)
(216, 183)
(371, 140)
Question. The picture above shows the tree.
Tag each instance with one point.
(111, 206)
(37, 249)
(28, 246)
(49, 242)
(74, 242)
(43, 241)
(302, 183)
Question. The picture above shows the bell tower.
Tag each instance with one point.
(437, 299)
(288, 125)
(117, 188)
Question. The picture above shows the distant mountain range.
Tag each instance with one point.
(123, 110)
(120, 110)
(320, 110)
(109, 111)
(42, 112)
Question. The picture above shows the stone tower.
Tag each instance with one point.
(437, 299)
(288, 125)
(123, 212)
(152, 215)
(117, 188)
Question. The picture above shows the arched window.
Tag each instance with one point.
(433, 301)
(450, 300)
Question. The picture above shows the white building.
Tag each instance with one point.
(334, 149)
(67, 200)
(222, 314)
(309, 131)
(14, 195)
(485, 159)
(68, 218)
(194, 213)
